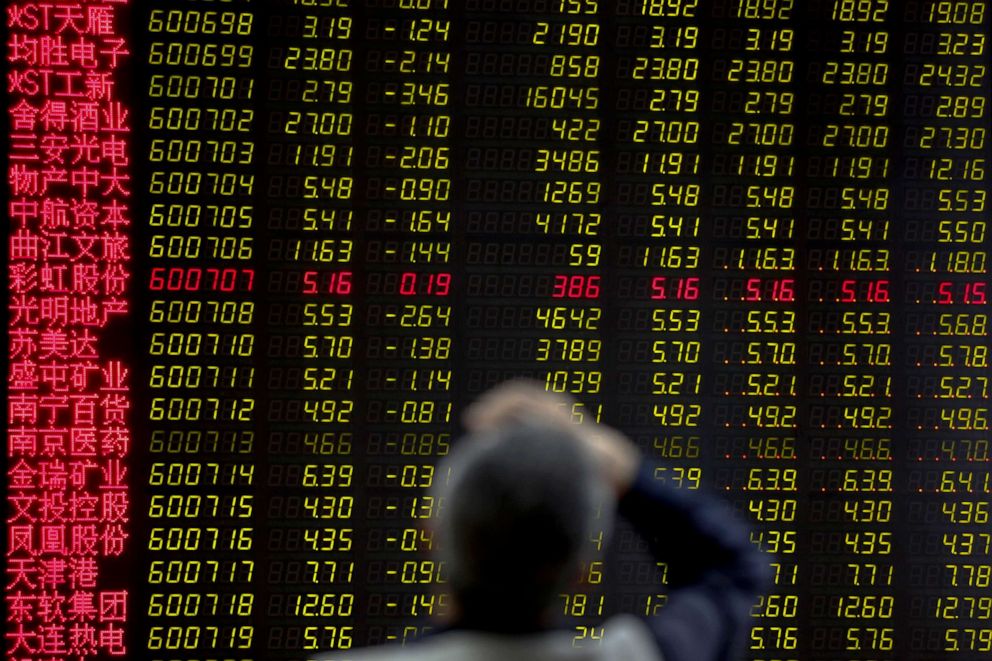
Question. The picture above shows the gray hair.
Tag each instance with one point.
(519, 506)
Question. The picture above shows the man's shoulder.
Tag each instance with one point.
(440, 647)
(380, 653)
(625, 638)
(629, 637)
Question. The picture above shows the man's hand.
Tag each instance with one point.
(521, 401)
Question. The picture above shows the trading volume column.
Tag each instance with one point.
(566, 88)
(533, 192)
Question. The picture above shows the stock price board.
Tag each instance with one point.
(261, 254)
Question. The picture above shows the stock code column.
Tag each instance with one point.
(308, 551)
(945, 205)
(199, 553)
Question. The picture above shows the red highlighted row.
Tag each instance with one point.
(411, 283)
(677, 288)
(201, 279)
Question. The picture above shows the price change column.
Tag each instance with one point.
(946, 205)
(200, 149)
(410, 284)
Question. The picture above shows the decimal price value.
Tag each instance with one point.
(327, 282)
(679, 289)
(781, 290)
(424, 284)
(850, 291)
(968, 293)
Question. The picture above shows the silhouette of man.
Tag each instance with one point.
(527, 490)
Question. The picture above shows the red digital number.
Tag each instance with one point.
(425, 284)
(199, 279)
(576, 286)
(870, 291)
(679, 289)
(334, 282)
(974, 294)
(781, 290)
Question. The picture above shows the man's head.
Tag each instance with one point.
(519, 508)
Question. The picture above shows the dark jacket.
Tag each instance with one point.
(714, 576)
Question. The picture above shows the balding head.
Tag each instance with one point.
(519, 508)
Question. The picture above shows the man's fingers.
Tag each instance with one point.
(516, 401)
